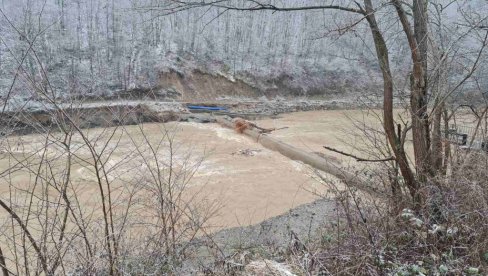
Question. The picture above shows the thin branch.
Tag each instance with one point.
(3, 266)
(360, 159)
(33, 242)
(184, 5)
(472, 109)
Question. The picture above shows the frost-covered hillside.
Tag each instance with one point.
(99, 47)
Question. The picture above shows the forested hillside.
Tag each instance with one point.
(101, 47)
(98, 47)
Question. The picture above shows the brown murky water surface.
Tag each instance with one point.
(249, 182)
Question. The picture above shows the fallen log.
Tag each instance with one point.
(317, 162)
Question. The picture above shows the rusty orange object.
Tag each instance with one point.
(241, 125)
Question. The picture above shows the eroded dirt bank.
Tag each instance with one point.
(44, 117)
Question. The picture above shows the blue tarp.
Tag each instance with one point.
(210, 108)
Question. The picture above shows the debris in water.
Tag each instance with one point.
(247, 152)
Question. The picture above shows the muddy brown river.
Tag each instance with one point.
(247, 182)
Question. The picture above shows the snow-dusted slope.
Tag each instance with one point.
(103, 46)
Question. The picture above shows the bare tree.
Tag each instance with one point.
(414, 20)
(52, 227)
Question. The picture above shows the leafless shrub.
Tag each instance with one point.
(137, 204)
(385, 236)
(106, 200)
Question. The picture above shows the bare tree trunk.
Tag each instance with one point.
(418, 103)
(3, 264)
(447, 146)
(420, 18)
(389, 124)
(420, 127)
(436, 147)
(418, 100)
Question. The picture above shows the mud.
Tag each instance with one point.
(130, 112)
(27, 122)
(202, 86)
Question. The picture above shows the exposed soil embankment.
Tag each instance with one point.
(110, 113)
(26, 122)
(202, 86)
(199, 85)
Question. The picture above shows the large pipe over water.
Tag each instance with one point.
(293, 153)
